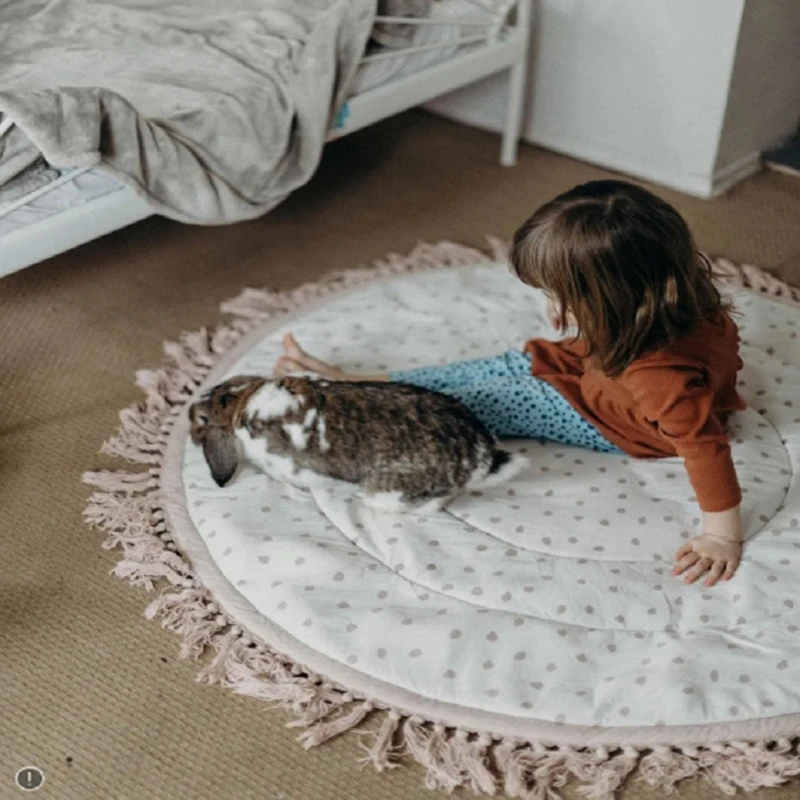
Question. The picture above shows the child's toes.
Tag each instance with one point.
(290, 347)
(284, 365)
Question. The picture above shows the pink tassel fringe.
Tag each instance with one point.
(127, 508)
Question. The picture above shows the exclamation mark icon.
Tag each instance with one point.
(29, 779)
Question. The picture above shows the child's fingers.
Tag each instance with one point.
(683, 551)
(698, 570)
(714, 574)
(730, 569)
(688, 560)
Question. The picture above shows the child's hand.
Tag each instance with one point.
(717, 556)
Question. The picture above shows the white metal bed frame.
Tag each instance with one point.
(502, 45)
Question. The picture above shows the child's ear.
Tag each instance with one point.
(554, 313)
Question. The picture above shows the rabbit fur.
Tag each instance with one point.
(405, 447)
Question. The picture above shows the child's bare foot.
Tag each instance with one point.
(707, 554)
(295, 359)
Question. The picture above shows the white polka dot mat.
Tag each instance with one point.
(529, 632)
(548, 598)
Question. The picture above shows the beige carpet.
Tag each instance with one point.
(90, 691)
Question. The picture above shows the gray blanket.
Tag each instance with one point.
(212, 110)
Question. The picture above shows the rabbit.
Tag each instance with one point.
(405, 447)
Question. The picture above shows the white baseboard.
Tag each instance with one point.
(703, 186)
(737, 171)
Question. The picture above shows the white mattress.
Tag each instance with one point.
(65, 192)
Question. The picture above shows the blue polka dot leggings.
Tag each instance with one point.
(503, 394)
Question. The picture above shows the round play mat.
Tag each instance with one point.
(529, 632)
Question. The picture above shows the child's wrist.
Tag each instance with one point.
(725, 525)
(730, 538)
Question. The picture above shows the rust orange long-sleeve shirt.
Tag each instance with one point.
(670, 402)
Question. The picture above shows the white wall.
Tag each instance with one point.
(764, 99)
(642, 86)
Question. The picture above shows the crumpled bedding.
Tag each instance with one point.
(212, 113)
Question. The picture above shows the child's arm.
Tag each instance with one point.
(674, 396)
(295, 359)
(717, 551)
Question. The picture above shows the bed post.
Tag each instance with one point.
(516, 88)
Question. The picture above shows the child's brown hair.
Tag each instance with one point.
(624, 264)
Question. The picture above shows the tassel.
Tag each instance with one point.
(151, 552)
(175, 607)
(120, 481)
(749, 767)
(320, 706)
(498, 248)
(416, 735)
(666, 767)
(157, 385)
(427, 744)
(197, 637)
(511, 767)
(602, 773)
(182, 358)
(187, 613)
(532, 772)
(139, 452)
(470, 761)
(125, 516)
(382, 752)
(139, 437)
(258, 304)
(322, 732)
(225, 644)
(140, 572)
(198, 345)
(243, 680)
(224, 338)
(257, 673)
(755, 278)
(552, 774)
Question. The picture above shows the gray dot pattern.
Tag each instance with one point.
(550, 596)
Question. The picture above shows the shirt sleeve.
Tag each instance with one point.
(564, 357)
(677, 400)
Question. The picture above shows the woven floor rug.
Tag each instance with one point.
(528, 634)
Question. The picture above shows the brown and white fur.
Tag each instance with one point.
(405, 447)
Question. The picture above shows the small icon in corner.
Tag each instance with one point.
(29, 779)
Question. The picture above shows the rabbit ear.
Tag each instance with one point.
(199, 422)
(222, 454)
